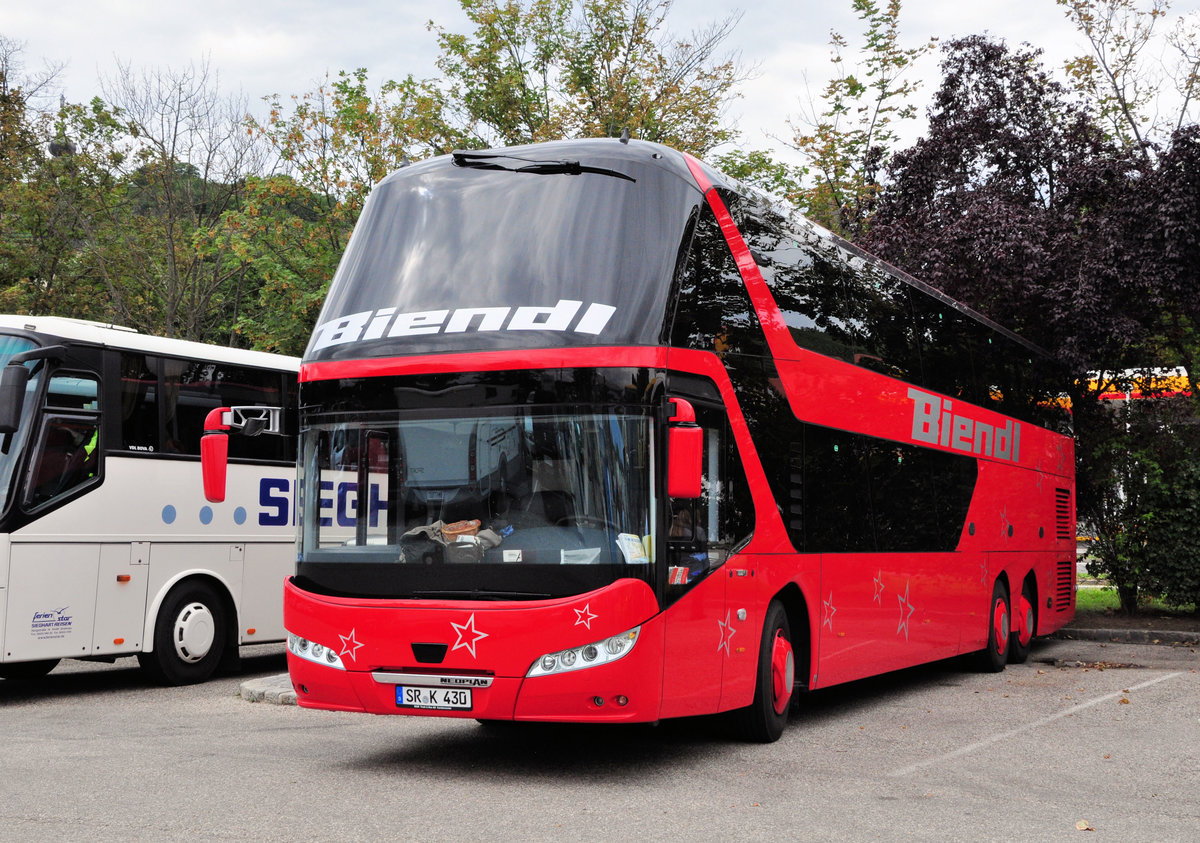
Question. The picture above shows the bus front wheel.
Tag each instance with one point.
(189, 636)
(763, 720)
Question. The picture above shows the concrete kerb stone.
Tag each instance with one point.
(269, 689)
(278, 689)
(1129, 636)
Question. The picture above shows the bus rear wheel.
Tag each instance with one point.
(993, 657)
(764, 719)
(27, 670)
(189, 636)
(1024, 625)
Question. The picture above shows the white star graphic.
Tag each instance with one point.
(585, 616)
(727, 633)
(470, 639)
(829, 611)
(349, 645)
(904, 616)
(879, 587)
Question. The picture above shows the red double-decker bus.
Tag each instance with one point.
(592, 433)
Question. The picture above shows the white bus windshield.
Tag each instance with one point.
(11, 443)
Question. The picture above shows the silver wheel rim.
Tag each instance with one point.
(195, 631)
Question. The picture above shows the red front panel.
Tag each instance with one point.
(495, 641)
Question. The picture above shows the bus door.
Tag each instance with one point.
(59, 571)
(703, 628)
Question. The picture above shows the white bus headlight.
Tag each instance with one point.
(314, 652)
(589, 655)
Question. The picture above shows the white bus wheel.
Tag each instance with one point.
(190, 635)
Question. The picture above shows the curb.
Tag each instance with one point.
(269, 689)
(1129, 636)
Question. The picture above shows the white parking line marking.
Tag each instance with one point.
(1037, 724)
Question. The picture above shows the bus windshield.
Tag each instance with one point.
(452, 256)
(527, 504)
(11, 443)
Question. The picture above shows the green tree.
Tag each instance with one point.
(160, 163)
(40, 199)
(333, 145)
(848, 145)
(1140, 86)
(588, 68)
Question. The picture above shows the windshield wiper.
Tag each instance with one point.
(489, 161)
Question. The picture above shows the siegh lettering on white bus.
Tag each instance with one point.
(278, 507)
(935, 422)
(376, 324)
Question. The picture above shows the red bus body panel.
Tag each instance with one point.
(500, 640)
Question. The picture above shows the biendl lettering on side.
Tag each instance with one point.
(935, 422)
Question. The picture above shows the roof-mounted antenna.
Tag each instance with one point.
(625, 135)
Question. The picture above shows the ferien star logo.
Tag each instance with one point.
(468, 636)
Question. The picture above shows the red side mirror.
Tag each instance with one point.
(214, 455)
(685, 453)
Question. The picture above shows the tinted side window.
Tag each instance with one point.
(833, 302)
(714, 312)
(67, 453)
(165, 400)
(193, 388)
(862, 494)
(139, 403)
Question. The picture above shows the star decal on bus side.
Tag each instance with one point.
(468, 635)
(828, 610)
(727, 633)
(879, 587)
(906, 611)
(585, 616)
(349, 645)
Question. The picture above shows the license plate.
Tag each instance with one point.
(410, 696)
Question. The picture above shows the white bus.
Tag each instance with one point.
(107, 545)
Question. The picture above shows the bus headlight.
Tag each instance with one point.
(590, 655)
(314, 652)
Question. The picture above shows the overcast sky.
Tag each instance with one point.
(264, 47)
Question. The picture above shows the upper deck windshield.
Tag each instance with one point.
(11, 443)
(521, 504)
(481, 251)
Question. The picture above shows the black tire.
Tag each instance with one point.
(994, 657)
(1018, 650)
(27, 670)
(762, 721)
(190, 635)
